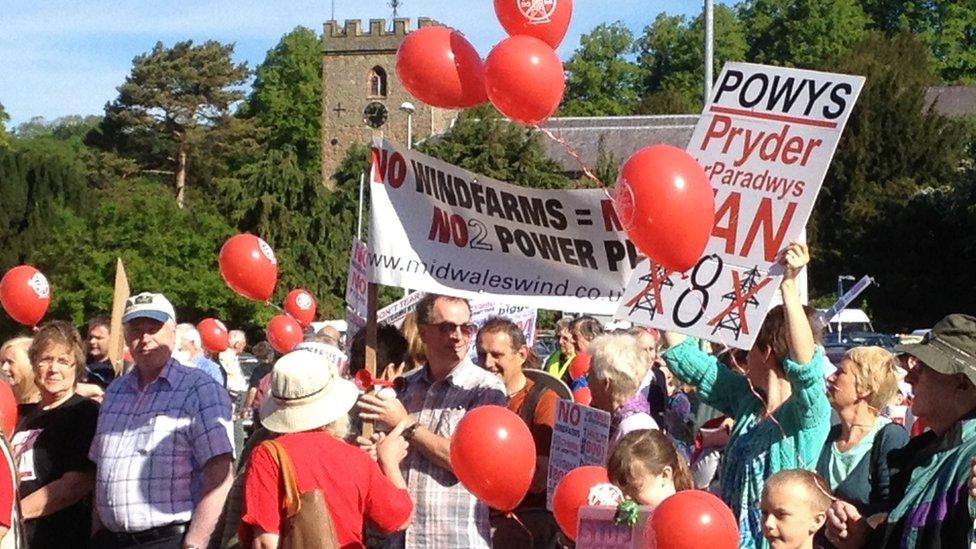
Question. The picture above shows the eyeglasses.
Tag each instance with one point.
(445, 328)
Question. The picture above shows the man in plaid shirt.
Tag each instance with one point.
(434, 400)
(164, 443)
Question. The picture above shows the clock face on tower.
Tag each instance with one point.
(375, 115)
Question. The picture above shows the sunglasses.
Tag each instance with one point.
(445, 328)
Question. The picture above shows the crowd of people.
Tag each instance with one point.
(183, 448)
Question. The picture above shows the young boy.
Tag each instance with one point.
(794, 507)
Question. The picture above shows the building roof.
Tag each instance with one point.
(952, 100)
(621, 135)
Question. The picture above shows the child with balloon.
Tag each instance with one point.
(777, 401)
(647, 467)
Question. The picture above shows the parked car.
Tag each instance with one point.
(836, 344)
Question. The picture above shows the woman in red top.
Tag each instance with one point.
(309, 404)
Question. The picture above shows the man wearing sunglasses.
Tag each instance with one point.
(433, 400)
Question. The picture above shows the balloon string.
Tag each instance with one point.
(274, 306)
(513, 516)
(572, 152)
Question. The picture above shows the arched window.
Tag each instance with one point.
(376, 82)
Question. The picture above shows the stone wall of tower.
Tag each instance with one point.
(349, 54)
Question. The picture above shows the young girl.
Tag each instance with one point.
(647, 468)
(794, 507)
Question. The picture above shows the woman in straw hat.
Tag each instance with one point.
(308, 405)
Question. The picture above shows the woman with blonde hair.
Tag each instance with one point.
(416, 353)
(16, 365)
(854, 459)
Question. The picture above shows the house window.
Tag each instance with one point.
(376, 83)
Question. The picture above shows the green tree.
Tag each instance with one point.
(601, 80)
(801, 33)
(892, 150)
(69, 127)
(165, 249)
(671, 55)
(4, 118)
(483, 142)
(176, 92)
(287, 95)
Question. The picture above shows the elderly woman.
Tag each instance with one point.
(16, 365)
(778, 403)
(617, 366)
(308, 406)
(855, 459)
(52, 440)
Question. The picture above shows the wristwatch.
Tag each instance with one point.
(409, 431)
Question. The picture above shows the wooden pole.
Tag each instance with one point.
(370, 344)
(116, 343)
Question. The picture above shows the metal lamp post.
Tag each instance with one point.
(408, 108)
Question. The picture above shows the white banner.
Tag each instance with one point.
(438, 228)
(765, 141)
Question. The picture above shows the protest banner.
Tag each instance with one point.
(580, 436)
(438, 228)
(765, 140)
(598, 530)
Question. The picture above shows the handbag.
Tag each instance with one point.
(307, 523)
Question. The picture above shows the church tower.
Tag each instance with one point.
(360, 89)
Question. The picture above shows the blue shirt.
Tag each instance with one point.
(208, 367)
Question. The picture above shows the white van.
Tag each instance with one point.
(850, 320)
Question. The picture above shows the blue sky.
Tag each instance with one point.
(67, 57)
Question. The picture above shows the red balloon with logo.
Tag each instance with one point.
(579, 365)
(25, 294)
(284, 332)
(248, 265)
(441, 68)
(213, 335)
(572, 493)
(301, 305)
(666, 204)
(493, 455)
(547, 20)
(691, 519)
(525, 79)
(8, 410)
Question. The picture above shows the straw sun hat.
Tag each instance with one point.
(306, 393)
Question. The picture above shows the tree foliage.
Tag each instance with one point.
(287, 95)
(602, 80)
(174, 92)
(483, 142)
(4, 118)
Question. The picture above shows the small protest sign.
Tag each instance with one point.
(580, 437)
(598, 530)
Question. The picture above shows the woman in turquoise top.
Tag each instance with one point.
(778, 400)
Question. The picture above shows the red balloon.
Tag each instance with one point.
(249, 267)
(493, 455)
(25, 294)
(572, 492)
(440, 67)
(582, 395)
(284, 332)
(691, 519)
(579, 366)
(665, 203)
(547, 20)
(8, 410)
(301, 305)
(525, 79)
(213, 335)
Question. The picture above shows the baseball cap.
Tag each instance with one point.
(148, 305)
(949, 348)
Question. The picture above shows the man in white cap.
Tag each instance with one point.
(163, 446)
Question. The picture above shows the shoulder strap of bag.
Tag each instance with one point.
(876, 452)
(291, 500)
(527, 413)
